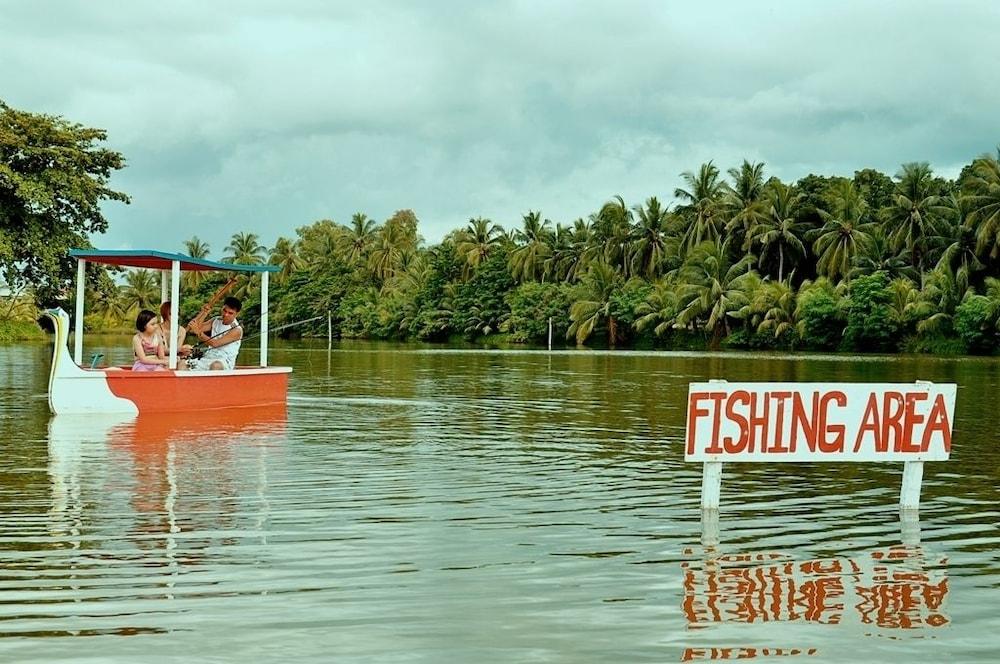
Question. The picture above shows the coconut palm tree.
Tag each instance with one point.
(744, 200)
(194, 248)
(916, 214)
(660, 308)
(650, 242)
(141, 290)
(777, 231)
(703, 200)
(362, 235)
(714, 288)
(843, 232)
(385, 257)
(776, 302)
(981, 199)
(880, 254)
(527, 261)
(960, 255)
(477, 241)
(600, 285)
(941, 294)
(612, 231)
(245, 249)
(284, 254)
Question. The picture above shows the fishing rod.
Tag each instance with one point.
(197, 350)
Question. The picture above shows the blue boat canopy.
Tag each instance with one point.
(161, 260)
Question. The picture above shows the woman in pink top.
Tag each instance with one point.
(147, 344)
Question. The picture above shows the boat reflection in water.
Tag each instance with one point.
(127, 485)
(875, 593)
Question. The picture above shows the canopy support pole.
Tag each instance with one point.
(175, 294)
(81, 273)
(263, 317)
(164, 287)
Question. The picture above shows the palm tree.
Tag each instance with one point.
(362, 234)
(904, 301)
(650, 243)
(981, 199)
(386, 255)
(714, 288)
(477, 241)
(776, 302)
(777, 229)
(916, 214)
(660, 308)
(703, 197)
(141, 290)
(600, 285)
(245, 249)
(194, 248)
(935, 307)
(745, 200)
(842, 234)
(284, 254)
(527, 261)
(879, 254)
(612, 230)
(960, 255)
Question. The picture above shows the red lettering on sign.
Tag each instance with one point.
(891, 420)
(694, 412)
(907, 444)
(937, 421)
(870, 422)
(806, 424)
(758, 422)
(739, 396)
(715, 447)
(779, 398)
(823, 427)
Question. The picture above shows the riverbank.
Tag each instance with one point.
(13, 331)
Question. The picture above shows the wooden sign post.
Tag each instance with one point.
(796, 422)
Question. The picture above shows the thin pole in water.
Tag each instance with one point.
(329, 330)
(550, 332)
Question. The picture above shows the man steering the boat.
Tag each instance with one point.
(222, 336)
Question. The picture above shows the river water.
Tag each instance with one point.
(422, 505)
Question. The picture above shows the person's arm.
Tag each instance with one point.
(141, 356)
(232, 335)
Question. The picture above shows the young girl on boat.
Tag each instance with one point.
(147, 344)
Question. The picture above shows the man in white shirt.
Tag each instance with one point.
(223, 336)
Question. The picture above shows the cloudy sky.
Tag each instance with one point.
(266, 116)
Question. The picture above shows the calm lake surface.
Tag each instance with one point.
(484, 506)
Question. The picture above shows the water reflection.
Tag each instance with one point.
(138, 503)
(878, 591)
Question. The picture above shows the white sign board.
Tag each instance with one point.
(819, 422)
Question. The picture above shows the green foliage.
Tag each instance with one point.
(871, 325)
(19, 330)
(479, 305)
(532, 304)
(818, 312)
(975, 323)
(626, 303)
(53, 180)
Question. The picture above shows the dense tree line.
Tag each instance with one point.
(870, 262)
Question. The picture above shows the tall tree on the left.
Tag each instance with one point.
(53, 178)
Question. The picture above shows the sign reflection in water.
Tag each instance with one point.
(900, 587)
